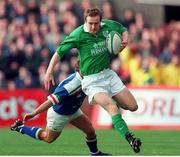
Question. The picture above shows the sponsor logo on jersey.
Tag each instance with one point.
(99, 48)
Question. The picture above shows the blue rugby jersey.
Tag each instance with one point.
(68, 95)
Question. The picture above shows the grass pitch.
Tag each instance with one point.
(71, 142)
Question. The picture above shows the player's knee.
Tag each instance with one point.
(112, 109)
(49, 140)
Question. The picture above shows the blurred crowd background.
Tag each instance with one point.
(30, 32)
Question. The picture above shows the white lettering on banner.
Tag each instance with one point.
(157, 107)
(9, 108)
(172, 110)
(161, 106)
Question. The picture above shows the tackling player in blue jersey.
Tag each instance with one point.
(63, 107)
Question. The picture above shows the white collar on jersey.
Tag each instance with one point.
(85, 26)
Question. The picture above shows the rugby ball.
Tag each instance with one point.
(113, 42)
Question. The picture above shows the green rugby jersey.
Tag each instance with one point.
(92, 51)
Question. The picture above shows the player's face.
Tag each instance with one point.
(93, 24)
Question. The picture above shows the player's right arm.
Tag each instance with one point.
(64, 47)
(49, 78)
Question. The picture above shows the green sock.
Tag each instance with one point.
(120, 125)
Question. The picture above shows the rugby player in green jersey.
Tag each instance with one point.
(100, 83)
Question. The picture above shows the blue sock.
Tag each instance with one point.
(30, 131)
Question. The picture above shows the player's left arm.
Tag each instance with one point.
(43, 107)
(123, 31)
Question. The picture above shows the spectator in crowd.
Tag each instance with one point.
(25, 79)
(4, 52)
(145, 76)
(11, 85)
(109, 11)
(2, 81)
(121, 70)
(14, 60)
(168, 51)
(156, 69)
(128, 17)
(171, 72)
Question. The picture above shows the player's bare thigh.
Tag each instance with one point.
(126, 99)
(105, 101)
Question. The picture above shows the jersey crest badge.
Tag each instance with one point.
(105, 33)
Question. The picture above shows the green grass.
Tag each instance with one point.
(71, 142)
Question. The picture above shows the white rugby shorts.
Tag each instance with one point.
(106, 81)
(56, 122)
